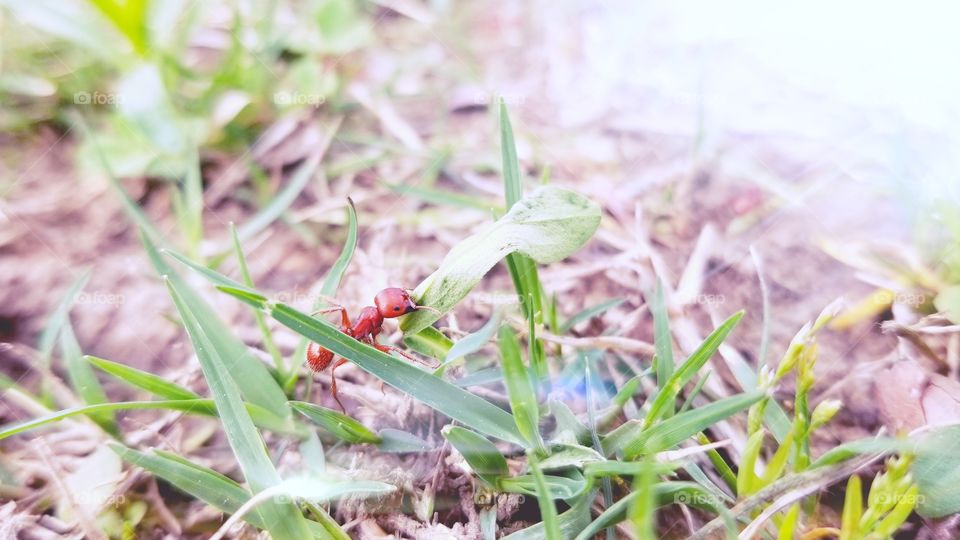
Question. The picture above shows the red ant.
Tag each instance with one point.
(390, 303)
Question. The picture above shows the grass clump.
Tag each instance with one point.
(621, 463)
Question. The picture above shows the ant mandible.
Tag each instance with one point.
(389, 303)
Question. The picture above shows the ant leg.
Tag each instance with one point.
(333, 384)
(344, 317)
(390, 348)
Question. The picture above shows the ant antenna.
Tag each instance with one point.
(428, 308)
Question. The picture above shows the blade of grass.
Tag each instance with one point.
(633, 439)
(298, 181)
(510, 163)
(588, 314)
(57, 318)
(548, 510)
(667, 393)
(520, 391)
(262, 417)
(329, 288)
(258, 315)
(83, 379)
(400, 442)
(434, 392)
(557, 487)
(663, 493)
(141, 379)
(523, 270)
(307, 489)
(252, 377)
(482, 456)
(430, 342)
(643, 509)
(202, 483)
(590, 376)
(697, 388)
(339, 425)
(472, 342)
(130, 207)
(852, 510)
(284, 520)
(444, 197)
(187, 202)
(663, 342)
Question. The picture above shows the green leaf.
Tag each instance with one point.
(608, 468)
(285, 519)
(555, 487)
(141, 379)
(482, 456)
(633, 440)
(748, 482)
(564, 456)
(429, 342)
(434, 392)
(936, 472)
(130, 18)
(667, 393)
(473, 342)
(523, 397)
(82, 378)
(569, 427)
(547, 225)
(400, 442)
(852, 510)
(339, 425)
(663, 342)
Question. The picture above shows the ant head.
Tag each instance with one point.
(394, 302)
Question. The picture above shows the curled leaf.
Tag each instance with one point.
(547, 225)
